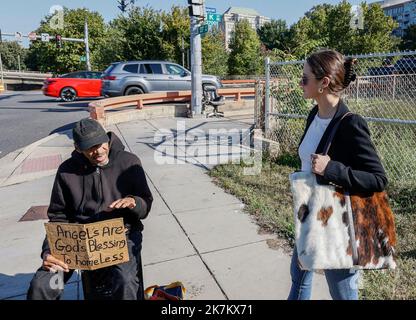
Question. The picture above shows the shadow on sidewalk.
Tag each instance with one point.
(66, 130)
(14, 287)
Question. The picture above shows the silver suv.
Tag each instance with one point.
(136, 77)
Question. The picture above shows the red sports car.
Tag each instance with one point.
(74, 85)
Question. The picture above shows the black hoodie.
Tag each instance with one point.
(82, 192)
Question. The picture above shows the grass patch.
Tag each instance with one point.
(267, 196)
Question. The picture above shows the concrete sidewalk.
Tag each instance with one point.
(196, 233)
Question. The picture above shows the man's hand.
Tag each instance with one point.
(51, 264)
(319, 163)
(127, 202)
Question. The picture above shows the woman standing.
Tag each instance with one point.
(351, 163)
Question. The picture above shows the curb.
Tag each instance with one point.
(26, 151)
(14, 159)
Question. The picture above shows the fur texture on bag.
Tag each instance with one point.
(322, 227)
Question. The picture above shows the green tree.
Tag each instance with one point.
(318, 16)
(376, 36)
(175, 32)
(409, 38)
(46, 57)
(245, 57)
(340, 34)
(10, 51)
(140, 32)
(300, 42)
(111, 49)
(214, 54)
(329, 26)
(273, 34)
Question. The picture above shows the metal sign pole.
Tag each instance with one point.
(196, 68)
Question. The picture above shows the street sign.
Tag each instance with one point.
(214, 17)
(18, 36)
(203, 29)
(32, 36)
(212, 23)
(83, 58)
(45, 37)
(210, 10)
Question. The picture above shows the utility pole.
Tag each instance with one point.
(18, 62)
(183, 52)
(196, 11)
(1, 70)
(87, 47)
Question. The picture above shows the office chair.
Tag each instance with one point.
(212, 99)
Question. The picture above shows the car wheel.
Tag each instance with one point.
(68, 94)
(133, 90)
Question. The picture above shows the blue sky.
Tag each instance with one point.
(24, 15)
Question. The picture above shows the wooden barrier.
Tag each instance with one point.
(98, 108)
(238, 81)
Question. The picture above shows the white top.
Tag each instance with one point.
(311, 140)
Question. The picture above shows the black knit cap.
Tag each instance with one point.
(88, 133)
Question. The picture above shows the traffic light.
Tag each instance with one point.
(196, 8)
(58, 40)
(124, 4)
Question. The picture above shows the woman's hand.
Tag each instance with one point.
(319, 163)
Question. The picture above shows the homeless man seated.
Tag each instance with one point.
(100, 181)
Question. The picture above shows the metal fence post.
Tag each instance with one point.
(358, 90)
(267, 96)
(256, 103)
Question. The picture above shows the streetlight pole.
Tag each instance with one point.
(87, 47)
(1, 70)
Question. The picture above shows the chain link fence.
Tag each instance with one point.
(384, 94)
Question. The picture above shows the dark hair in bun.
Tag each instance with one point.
(332, 64)
(350, 76)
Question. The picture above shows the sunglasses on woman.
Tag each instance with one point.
(305, 80)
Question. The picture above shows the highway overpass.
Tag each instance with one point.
(29, 79)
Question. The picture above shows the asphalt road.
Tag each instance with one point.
(26, 117)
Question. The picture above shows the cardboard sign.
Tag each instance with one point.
(88, 246)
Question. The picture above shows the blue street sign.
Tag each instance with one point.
(210, 10)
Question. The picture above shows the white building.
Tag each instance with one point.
(234, 14)
(402, 11)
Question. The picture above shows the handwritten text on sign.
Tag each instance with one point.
(88, 246)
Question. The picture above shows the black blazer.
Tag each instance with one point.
(354, 164)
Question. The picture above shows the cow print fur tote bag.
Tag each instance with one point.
(336, 230)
